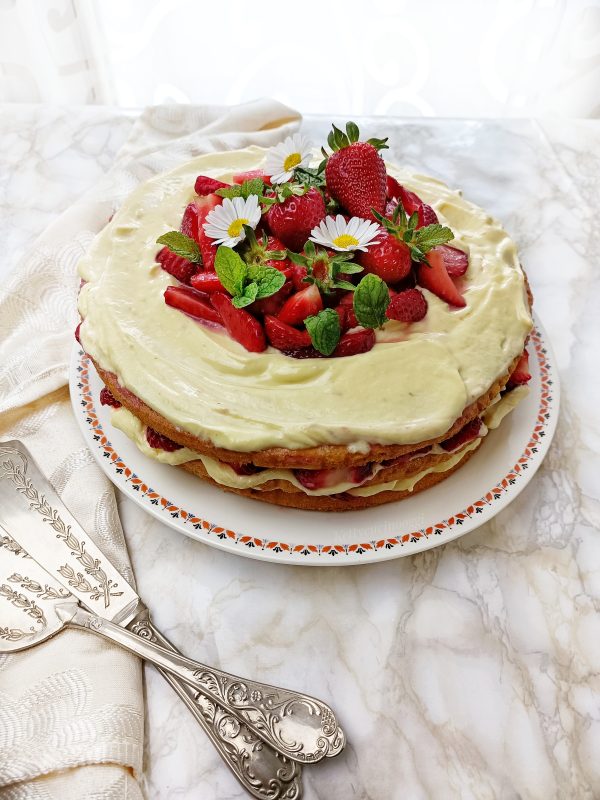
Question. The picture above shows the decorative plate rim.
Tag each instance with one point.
(457, 524)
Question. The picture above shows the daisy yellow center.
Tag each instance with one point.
(235, 227)
(291, 161)
(345, 240)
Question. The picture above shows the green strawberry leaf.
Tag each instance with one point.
(371, 299)
(231, 270)
(181, 245)
(324, 329)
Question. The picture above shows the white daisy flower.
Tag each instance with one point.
(335, 232)
(225, 223)
(282, 160)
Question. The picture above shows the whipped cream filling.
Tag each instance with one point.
(410, 387)
(223, 474)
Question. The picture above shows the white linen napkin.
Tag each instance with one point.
(71, 709)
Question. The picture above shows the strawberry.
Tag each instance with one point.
(272, 305)
(301, 305)
(246, 469)
(250, 175)
(191, 303)
(348, 318)
(298, 275)
(407, 306)
(160, 442)
(177, 266)
(455, 260)
(355, 172)
(326, 478)
(411, 202)
(293, 219)
(240, 324)
(194, 217)
(521, 374)
(389, 258)
(283, 336)
(107, 398)
(435, 278)
(352, 344)
(465, 435)
(207, 282)
(205, 185)
(266, 251)
(77, 329)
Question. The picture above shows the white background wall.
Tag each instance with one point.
(461, 58)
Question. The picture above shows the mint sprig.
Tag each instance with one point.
(245, 283)
(370, 301)
(324, 330)
(244, 190)
(181, 245)
(419, 240)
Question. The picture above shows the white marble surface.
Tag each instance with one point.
(469, 671)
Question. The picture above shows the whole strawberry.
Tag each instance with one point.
(292, 220)
(355, 172)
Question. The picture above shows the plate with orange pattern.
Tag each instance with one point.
(496, 474)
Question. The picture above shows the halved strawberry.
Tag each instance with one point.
(298, 274)
(409, 305)
(205, 185)
(456, 261)
(77, 329)
(191, 303)
(161, 442)
(292, 220)
(240, 324)
(301, 305)
(177, 266)
(349, 317)
(521, 374)
(352, 344)
(389, 258)
(108, 399)
(272, 305)
(465, 435)
(435, 278)
(207, 282)
(194, 217)
(240, 177)
(284, 337)
(326, 478)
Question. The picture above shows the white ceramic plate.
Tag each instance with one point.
(506, 462)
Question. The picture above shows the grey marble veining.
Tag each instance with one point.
(466, 672)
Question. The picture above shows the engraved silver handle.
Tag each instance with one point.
(298, 726)
(263, 772)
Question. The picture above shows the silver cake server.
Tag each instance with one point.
(27, 596)
(300, 727)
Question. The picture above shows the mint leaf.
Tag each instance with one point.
(181, 245)
(324, 329)
(432, 236)
(230, 191)
(267, 280)
(371, 299)
(248, 296)
(253, 186)
(231, 270)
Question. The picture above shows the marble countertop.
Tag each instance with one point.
(468, 671)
